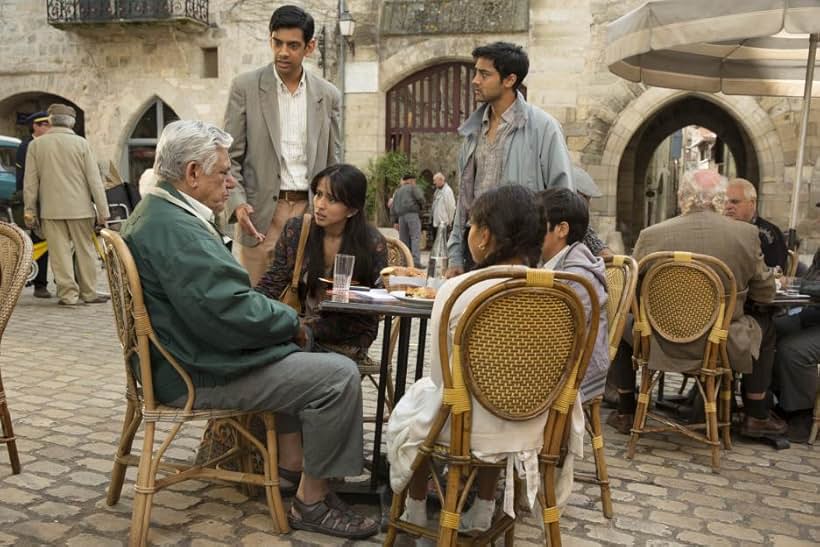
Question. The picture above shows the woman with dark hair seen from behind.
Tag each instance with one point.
(507, 228)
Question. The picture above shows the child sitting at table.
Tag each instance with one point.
(567, 218)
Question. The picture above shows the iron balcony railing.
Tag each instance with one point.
(70, 12)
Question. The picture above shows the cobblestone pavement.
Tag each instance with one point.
(64, 380)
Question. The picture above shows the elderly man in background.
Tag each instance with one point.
(702, 228)
(444, 203)
(62, 187)
(194, 287)
(741, 204)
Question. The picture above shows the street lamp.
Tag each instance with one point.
(347, 25)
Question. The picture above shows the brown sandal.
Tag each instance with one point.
(331, 516)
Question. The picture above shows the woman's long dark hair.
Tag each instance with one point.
(348, 185)
(515, 219)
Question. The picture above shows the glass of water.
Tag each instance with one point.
(343, 273)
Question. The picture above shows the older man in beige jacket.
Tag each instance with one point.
(62, 187)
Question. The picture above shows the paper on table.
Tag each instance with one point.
(380, 295)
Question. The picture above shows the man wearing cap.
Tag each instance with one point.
(285, 125)
(62, 186)
(39, 125)
(587, 189)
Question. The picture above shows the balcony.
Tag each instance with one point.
(77, 14)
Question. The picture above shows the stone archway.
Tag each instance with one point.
(653, 112)
(15, 109)
(632, 170)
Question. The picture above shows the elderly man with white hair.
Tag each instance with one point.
(194, 288)
(741, 204)
(702, 228)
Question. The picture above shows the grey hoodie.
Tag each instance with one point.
(578, 259)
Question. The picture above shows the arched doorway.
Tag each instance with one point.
(687, 133)
(142, 143)
(15, 109)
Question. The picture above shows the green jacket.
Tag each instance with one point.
(200, 301)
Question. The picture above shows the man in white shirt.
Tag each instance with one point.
(285, 125)
(444, 203)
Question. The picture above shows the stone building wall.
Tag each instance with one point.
(114, 72)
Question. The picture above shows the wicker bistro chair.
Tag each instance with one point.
(792, 261)
(136, 336)
(520, 349)
(682, 298)
(621, 278)
(15, 263)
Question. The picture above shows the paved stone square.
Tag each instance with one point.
(64, 379)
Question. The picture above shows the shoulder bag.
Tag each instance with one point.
(290, 295)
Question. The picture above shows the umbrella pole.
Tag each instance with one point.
(801, 147)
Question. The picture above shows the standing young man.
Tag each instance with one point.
(285, 125)
(506, 141)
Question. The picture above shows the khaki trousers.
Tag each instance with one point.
(66, 239)
(258, 259)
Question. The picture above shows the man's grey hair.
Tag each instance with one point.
(62, 120)
(186, 141)
(749, 190)
(702, 190)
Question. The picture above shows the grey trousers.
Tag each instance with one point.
(410, 235)
(320, 390)
(796, 361)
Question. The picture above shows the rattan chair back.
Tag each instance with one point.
(15, 263)
(683, 296)
(621, 280)
(397, 253)
(133, 323)
(792, 261)
(522, 345)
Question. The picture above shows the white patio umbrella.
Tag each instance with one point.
(737, 47)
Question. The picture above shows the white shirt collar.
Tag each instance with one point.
(550, 264)
(284, 88)
(199, 208)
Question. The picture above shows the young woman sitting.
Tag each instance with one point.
(338, 226)
(507, 227)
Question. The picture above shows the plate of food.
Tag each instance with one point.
(422, 297)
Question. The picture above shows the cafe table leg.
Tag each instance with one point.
(420, 354)
(384, 370)
(402, 358)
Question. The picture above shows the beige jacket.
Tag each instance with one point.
(735, 243)
(62, 178)
(252, 119)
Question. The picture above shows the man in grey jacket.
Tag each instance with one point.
(506, 141)
(408, 202)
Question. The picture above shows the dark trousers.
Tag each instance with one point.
(757, 381)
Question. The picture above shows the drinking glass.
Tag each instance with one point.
(343, 273)
(436, 267)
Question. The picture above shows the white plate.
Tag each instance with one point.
(410, 301)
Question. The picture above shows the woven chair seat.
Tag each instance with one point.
(165, 413)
